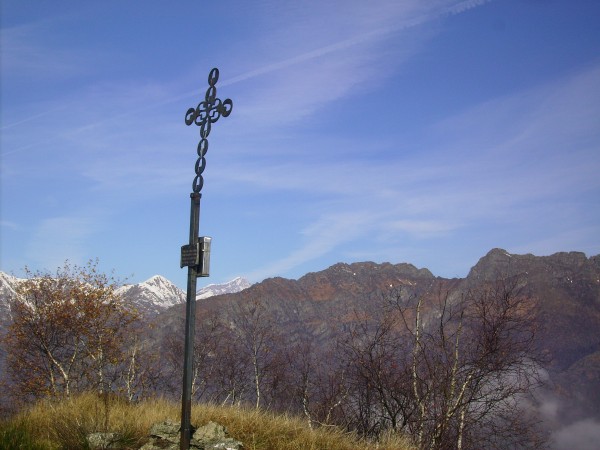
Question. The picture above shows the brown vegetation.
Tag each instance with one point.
(52, 424)
(70, 332)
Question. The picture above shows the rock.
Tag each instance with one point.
(210, 432)
(165, 430)
(163, 435)
(212, 436)
(101, 441)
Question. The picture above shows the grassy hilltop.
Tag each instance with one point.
(65, 424)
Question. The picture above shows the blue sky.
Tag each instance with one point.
(412, 131)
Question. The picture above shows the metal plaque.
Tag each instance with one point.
(190, 255)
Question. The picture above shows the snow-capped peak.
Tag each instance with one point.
(153, 295)
(8, 284)
(159, 286)
(231, 287)
(150, 297)
(8, 291)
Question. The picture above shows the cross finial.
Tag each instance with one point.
(204, 115)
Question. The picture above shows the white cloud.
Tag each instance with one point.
(507, 159)
(58, 239)
(327, 63)
(9, 224)
(335, 55)
(420, 228)
(521, 176)
(318, 239)
(28, 51)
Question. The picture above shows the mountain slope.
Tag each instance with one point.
(8, 286)
(231, 287)
(153, 295)
(150, 297)
(564, 290)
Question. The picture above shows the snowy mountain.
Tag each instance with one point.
(231, 287)
(8, 285)
(150, 297)
(157, 294)
(153, 295)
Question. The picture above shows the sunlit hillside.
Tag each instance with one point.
(65, 425)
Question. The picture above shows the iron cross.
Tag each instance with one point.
(204, 115)
(193, 255)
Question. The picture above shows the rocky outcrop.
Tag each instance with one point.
(166, 436)
(562, 266)
(105, 441)
(212, 436)
(565, 288)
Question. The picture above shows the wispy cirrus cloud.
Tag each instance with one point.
(9, 224)
(25, 52)
(335, 58)
(327, 63)
(62, 238)
(531, 173)
(300, 73)
(319, 238)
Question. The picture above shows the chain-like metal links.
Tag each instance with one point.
(204, 115)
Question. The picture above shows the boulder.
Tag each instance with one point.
(102, 441)
(163, 435)
(212, 436)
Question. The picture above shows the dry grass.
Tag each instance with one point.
(64, 425)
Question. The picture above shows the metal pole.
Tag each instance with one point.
(190, 328)
(204, 115)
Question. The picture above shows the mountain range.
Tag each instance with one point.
(564, 289)
(150, 297)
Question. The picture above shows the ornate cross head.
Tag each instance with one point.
(204, 115)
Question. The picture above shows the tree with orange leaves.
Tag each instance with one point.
(68, 332)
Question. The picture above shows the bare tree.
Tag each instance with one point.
(232, 366)
(67, 332)
(379, 374)
(256, 334)
(144, 370)
(450, 369)
(209, 333)
(317, 381)
(472, 359)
